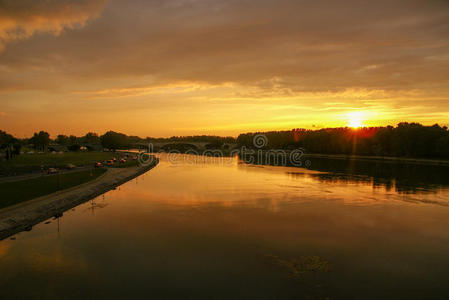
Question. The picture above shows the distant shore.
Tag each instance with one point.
(23, 216)
(392, 159)
(386, 159)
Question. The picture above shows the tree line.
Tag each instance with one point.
(404, 140)
(42, 141)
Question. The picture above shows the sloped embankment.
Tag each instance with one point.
(23, 216)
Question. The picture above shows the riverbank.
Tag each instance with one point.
(392, 159)
(15, 192)
(23, 216)
(308, 156)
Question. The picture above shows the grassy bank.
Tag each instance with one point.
(15, 192)
(27, 163)
(127, 164)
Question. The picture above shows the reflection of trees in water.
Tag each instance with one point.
(405, 178)
(388, 184)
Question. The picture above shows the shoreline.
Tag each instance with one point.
(23, 216)
(386, 159)
(383, 159)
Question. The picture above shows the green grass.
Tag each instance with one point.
(15, 192)
(26, 163)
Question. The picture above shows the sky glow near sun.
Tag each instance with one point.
(178, 67)
(355, 123)
(356, 119)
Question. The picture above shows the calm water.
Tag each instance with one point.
(199, 229)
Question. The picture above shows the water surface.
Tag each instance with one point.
(197, 228)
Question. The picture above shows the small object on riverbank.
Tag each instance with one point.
(12, 238)
(48, 222)
(52, 171)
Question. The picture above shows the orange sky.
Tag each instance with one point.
(182, 67)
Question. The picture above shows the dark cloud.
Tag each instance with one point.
(312, 45)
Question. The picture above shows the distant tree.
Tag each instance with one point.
(16, 148)
(40, 140)
(132, 139)
(73, 140)
(442, 147)
(9, 144)
(62, 139)
(114, 140)
(74, 147)
(91, 138)
(5, 139)
(215, 145)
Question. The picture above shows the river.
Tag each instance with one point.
(197, 227)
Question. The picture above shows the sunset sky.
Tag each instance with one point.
(182, 67)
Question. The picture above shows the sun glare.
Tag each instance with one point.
(355, 119)
(355, 123)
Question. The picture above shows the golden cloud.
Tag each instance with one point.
(21, 19)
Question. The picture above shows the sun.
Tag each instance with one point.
(355, 123)
(355, 119)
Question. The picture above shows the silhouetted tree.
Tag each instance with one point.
(114, 140)
(74, 147)
(91, 138)
(442, 147)
(5, 139)
(40, 140)
(407, 139)
(73, 140)
(9, 145)
(62, 139)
